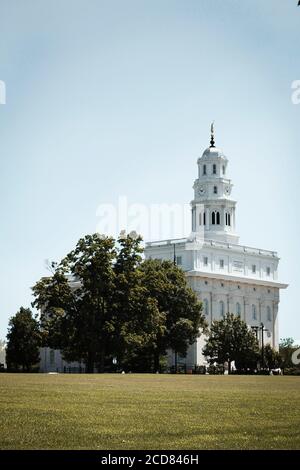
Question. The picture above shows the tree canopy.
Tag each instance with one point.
(230, 340)
(23, 341)
(104, 301)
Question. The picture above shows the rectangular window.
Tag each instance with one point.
(205, 261)
(221, 263)
(253, 268)
(178, 260)
(215, 190)
(214, 169)
(204, 169)
(268, 271)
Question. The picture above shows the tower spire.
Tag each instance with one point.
(212, 135)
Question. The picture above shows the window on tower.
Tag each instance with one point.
(205, 260)
(238, 309)
(204, 170)
(213, 218)
(269, 315)
(215, 190)
(221, 263)
(254, 316)
(223, 169)
(204, 218)
(218, 218)
(214, 169)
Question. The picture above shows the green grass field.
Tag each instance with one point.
(149, 412)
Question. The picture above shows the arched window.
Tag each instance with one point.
(221, 307)
(218, 218)
(223, 168)
(205, 307)
(254, 316)
(214, 169)
(213, 218)
(204, 169)
(204, 218)
(228, 219)
(269, 315)
(238, 309)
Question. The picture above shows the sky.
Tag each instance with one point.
(115, 98)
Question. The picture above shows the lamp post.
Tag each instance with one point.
(256, 330)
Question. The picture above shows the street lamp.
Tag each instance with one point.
(256, 330)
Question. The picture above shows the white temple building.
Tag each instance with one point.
(226, 276)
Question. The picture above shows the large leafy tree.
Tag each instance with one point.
(23, 341)
(77, 301)
(178, 306)
(138, 321)
(59, 302)
(230, 340)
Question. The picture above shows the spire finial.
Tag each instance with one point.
(212, 134)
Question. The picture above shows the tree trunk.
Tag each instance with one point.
(175, 362)
(229, 366)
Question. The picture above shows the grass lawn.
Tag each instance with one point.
(134, 411)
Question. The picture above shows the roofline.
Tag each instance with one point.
(245, 280)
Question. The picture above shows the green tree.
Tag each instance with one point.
(77, 302)
(23, 341)
(178, 305)
(230, 340)
(138, 321)
(272, 357)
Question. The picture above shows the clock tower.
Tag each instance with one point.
(213, 210)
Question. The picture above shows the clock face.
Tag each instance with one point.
(227, 190)
(201, 190)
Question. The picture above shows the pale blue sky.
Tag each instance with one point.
(109, 98)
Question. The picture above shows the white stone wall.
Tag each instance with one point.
(231, 282)
(51, 361)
